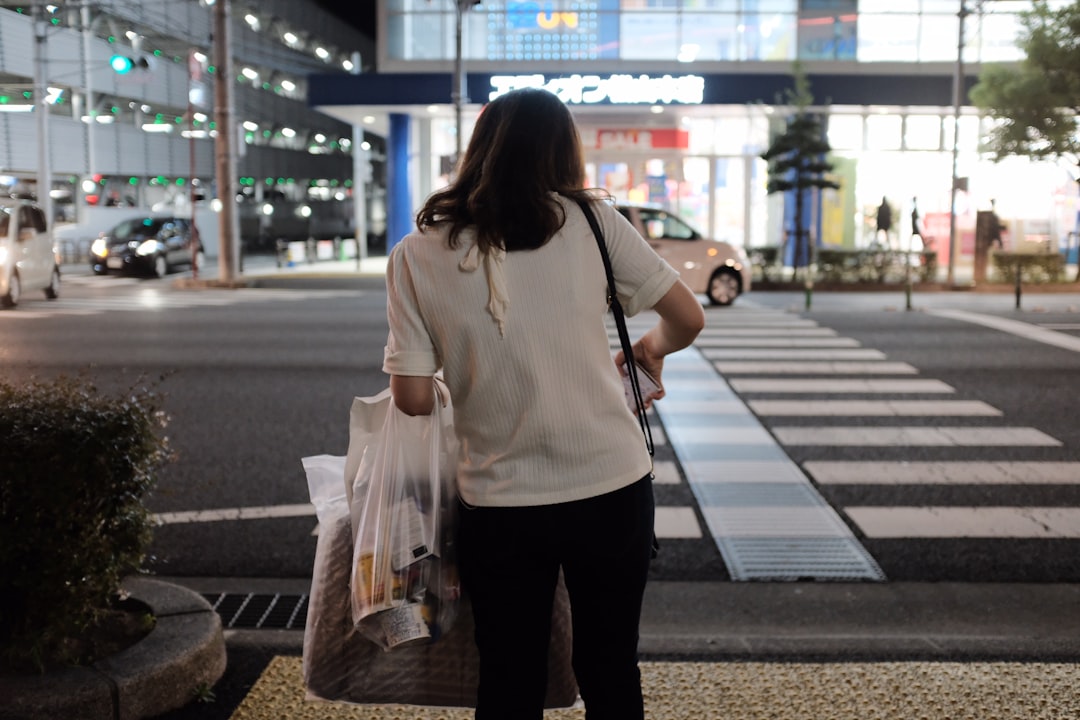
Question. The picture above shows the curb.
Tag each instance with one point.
(184, 651)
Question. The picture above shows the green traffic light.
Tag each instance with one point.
(120, 64)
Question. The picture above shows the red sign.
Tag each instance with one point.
(653, 139)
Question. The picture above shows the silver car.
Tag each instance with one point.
(28, 255)
(710, 267)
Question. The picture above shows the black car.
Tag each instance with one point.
(148, 245)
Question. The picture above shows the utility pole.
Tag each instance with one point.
(361, 179)
(224, 154)
(88, 93)
(44, 173)
(460, 88)
(958, 93)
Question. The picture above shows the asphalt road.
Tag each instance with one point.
(256, 379)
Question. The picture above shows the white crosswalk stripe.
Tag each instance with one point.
(851, 386)
(871, 408)
(967, 522)
(915, 436)
(944, 473)
(792, 354)
(776, 342)
(762, 359)
(812, 367)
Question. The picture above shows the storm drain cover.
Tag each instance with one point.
(260, 611)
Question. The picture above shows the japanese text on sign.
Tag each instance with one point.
(614, 89)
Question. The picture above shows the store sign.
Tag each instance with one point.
(613, 89)
(630, 139)
(534, 16)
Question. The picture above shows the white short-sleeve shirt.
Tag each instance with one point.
(538, 406)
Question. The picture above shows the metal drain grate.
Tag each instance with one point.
(767, 519)
(260, 612)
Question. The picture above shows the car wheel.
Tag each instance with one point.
(100, 270)
(161, 266)
(14, 291)
(723, 287)
(52, 291)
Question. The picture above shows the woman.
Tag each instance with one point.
(503, 287)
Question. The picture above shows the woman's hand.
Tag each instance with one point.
(648, 361)
(413, 395)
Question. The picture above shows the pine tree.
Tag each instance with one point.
(797, 161)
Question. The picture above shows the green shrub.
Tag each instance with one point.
(764, 259)
(1034, 267)
(843, 265)
(74, 467)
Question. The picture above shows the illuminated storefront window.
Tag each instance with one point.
(922, 132)
(891, 37)
(827, 29)
(845, 132)
(531, 31)
(883, 132)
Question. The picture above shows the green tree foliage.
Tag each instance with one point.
(1037, 102)
(796, 158)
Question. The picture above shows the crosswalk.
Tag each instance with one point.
(885, 391)
(877, 446)
(815, 392)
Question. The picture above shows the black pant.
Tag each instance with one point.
(510, 560)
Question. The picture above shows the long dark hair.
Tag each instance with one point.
(524, 146)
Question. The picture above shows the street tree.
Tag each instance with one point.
(797, 163)
(1036, 102)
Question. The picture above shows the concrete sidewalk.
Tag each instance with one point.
(746, 651)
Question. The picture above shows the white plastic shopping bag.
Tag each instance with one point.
(405, 587)
(340, 664)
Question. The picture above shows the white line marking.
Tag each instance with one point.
(915, 436)
(1014, 327)
(714, 322)
(873, 408)
(944, 473)
(851, 386)
(243, 513)
(777, 342)
(811, 367)
(729, 332)
(792, 354)
(676, 522)
(971, 522)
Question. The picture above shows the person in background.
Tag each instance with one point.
(916, 227)
(884, 223)
(996, 226)
(502, 287)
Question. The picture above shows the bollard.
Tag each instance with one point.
(1018, 266)
(907, 279)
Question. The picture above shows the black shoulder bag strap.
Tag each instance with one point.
(620, 324)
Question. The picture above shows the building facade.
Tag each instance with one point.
(117, 98)
(677, 99)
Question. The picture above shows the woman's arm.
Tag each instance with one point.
(413, 395)
(681, 319)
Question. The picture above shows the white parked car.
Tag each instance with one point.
(710, 267)
(29, 259)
